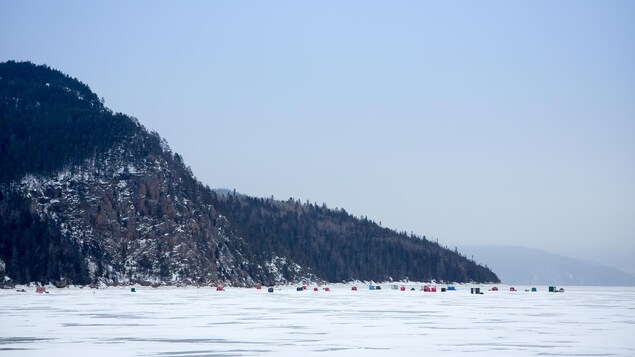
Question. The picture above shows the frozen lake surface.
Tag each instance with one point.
(583, 321)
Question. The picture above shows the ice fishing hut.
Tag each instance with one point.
(371, 287)
(451, 288)
(40, 290)
(552, 289)
(354, 288)
(219, 288)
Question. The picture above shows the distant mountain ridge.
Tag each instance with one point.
(527, 266)
(91, 196)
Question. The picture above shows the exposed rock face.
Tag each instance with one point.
(141, 219)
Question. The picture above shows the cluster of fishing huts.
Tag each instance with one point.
(424, 288)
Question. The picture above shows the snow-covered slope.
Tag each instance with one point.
(136, 218)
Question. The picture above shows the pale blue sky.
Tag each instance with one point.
(489, 122)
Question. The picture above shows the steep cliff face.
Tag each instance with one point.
(140, 218)
(87, 195)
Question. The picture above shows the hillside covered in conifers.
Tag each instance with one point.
(91, 196)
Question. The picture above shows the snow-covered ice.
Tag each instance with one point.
(583, 321)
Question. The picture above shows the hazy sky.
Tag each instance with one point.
(503, 122)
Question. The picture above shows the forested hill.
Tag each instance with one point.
(50, 120)
(342, 247)
(91, 196)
